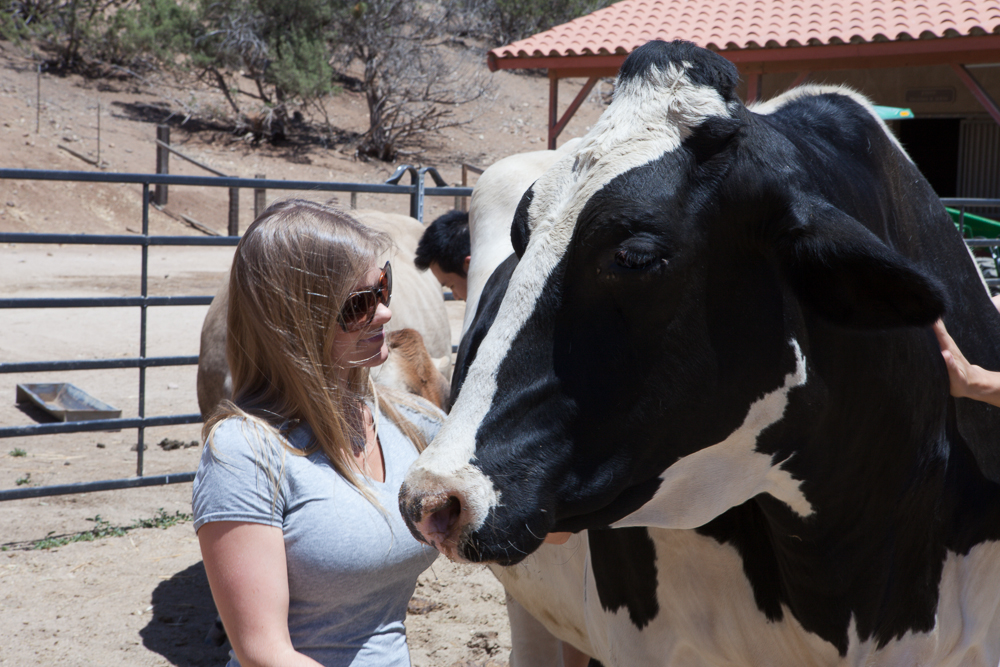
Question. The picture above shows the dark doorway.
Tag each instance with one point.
(933, 145)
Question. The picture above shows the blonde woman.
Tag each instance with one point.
(295, 497)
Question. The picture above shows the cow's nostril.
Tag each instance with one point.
(441, 521)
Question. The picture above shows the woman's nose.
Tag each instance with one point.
(382, 314)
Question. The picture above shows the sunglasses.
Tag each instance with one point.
(359, 309)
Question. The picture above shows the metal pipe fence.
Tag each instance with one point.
(415, 190)
(993, 244)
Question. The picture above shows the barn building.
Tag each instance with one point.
(939, 58)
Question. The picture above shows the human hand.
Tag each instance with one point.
(966, 380)
(959, 369)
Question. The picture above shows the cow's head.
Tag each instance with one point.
(655, 326)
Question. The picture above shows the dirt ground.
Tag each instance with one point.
(141, 598)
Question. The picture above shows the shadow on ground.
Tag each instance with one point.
(183, 616)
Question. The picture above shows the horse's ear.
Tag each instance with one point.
(850, 276)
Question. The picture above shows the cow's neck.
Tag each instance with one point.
(888, 480)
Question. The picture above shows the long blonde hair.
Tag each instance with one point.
(292, 273)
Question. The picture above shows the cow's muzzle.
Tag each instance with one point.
(436, 519)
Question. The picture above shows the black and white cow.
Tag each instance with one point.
(716, 343)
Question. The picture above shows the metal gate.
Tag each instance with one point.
(416, 191)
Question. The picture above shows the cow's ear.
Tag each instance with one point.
(850, 276)
(519, 230)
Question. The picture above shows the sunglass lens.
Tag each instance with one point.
(385, 283)
(358, 309)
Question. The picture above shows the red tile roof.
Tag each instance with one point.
(742, 24)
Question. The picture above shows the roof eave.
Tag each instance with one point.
(865, 55)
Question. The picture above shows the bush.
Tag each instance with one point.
(411, 88)
(153, 31)
(506, 21)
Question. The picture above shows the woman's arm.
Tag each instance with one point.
(245, 563)
(967, 380)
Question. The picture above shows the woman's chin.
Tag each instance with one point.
(383, 354)
(376, 356)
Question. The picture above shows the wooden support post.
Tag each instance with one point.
(354, 201)
(554, 132)
(234, 211)
(162, 163)
(259, 199)
(977, 90)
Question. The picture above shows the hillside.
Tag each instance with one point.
(511, 120)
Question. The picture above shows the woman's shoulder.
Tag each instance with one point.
(238, 434)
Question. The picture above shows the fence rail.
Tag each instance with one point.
(963, 203)
(416, 191)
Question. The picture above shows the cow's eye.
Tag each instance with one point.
(636, 260)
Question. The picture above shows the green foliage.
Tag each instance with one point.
(300, 67)
(17, 451)
(13, 26)
(21, 481)
(103, 528)
(120, 32)
(283, 45)
(506, 21)
(153, 29)
(266, 55)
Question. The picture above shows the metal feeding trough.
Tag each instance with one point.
(66, 402)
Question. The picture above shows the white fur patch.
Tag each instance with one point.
(491, 211)
(648, 118)
(708, 615)
(703, 485)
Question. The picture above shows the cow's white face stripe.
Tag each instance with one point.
(649, 117)
(703, 485)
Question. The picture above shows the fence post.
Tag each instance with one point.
(38, 99)
(461, 203)
(354, 201)
(234, 211)
(417, 198)
(259, 199)
(162, 164)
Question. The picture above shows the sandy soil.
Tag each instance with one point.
(141, 598)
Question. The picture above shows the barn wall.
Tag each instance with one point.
(931, 93)
(928, 91)
(979, 161)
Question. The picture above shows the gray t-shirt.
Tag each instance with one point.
(350, 572)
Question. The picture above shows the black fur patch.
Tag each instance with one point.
(706, 67)
(519, 232)
(624, 562)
